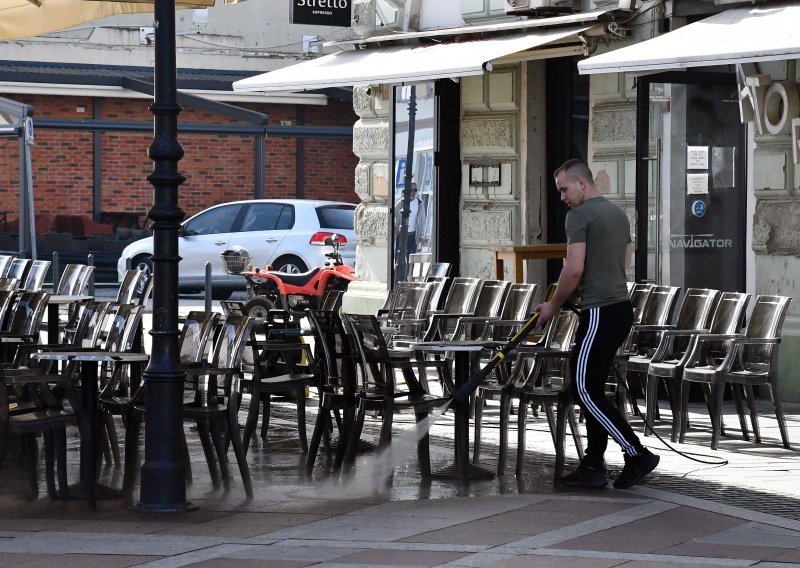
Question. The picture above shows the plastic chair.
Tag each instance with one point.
(7, 284)
(5, 262)
(487, 307)
(667, 362)
(216, 398)
(34, 279)
(378, 390)
(18, 268)
(750, 360)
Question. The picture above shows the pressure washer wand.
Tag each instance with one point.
(463, 393)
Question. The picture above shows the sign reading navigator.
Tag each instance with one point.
(321, 12)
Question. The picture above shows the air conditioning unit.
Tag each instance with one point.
(521, 7)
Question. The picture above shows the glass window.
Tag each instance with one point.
(262, 217)
(286, 219)
(213, 221)
(336, 217)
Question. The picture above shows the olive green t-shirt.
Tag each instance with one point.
(605, 229)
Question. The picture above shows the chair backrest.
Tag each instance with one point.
(438, 269)
(519, 301)
(232, 307)
(639, 293)
(93, 336)
(6, 301)
(766, 322)
(462, 295)
(696, 308)
(373, 354)
(69, 279)
(439, 284)
(231, 341)
(561, 331)
(659, 305)
(411, 300)
(133, 279)
(333, 349)
(729, 313)
(79, 323)
(82, 283)
(5, 262)
(36, 275)
(18, 268)
(332, 300)
(26, 314)
(8, 283)
(124, 325)
(558, 336)
(195, 333)
(418, 263)
(490, 298)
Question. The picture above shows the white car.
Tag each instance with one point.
(284, 234)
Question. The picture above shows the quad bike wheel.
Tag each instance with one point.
(258, 308)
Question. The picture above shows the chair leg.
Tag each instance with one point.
(776, 404)
(677, 406)
(423, 448)
(505, 411)
(265, 406)
(717, 390)
(573, 427)
(522, 420)
(707, 393)
(300, 398)
(217, 428)
(737, 401)
(30, 454)
(208, 451)
(751, 405)
(348, 423)
(684, 418)
(650, 402)
(239, 452)
(113, 439)
(60, 440)
(49, 464)
(320, 427)
(355, 435)
(478, 413)
(560, 435)
(386, 428)
(251, 422)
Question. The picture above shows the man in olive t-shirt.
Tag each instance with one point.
(598, 251)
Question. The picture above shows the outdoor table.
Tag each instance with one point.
(54, 303)
(89, 395)
(463, 352)
(519, 254)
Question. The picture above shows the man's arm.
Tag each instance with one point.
(568, 282)
(628, 256)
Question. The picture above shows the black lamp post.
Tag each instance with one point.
(163, 486)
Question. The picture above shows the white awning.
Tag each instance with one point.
(409, 64)
(766, 32)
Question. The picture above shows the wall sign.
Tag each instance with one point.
(321, 12)
(698, 208)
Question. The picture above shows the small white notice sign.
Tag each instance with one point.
(696, 184)
(697, 157)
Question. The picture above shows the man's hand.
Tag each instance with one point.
(546, 312)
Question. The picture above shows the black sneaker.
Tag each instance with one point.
(636, 468)
(585, 476)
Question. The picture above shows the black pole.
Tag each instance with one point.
(405, 211)
(163, 473)
(642, 164)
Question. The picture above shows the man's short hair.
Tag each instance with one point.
(575, 169)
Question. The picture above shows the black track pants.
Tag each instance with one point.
(600, 333)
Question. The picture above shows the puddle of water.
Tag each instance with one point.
(372, 474)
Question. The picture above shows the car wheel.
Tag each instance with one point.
(290, 265)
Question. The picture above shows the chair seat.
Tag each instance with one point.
(286, 382)
(666, 369)
(638, 364)
(700, 374)
(746, 376)
(34, 421)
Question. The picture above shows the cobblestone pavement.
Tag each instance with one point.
(744, 513)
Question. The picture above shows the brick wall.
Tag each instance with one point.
(218, 168)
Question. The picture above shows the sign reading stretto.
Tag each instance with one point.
(321, 12)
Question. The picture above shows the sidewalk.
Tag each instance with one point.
(686, 514)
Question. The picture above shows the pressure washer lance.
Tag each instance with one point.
(462, 394)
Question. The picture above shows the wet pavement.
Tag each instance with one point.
(744, 513)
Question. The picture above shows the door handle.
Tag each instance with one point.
(270, 240)
(220, 243)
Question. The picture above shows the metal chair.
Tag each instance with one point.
(379, 392)
(18, 268)
(5, 262)
(667, 362)
(750, 360)
(8, 284)
(37, 272)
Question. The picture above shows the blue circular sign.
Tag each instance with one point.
(698, 208)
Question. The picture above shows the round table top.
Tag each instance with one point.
(439, 346)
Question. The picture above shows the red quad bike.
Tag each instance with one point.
(271, 289)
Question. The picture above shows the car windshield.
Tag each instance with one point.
(336, 217)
